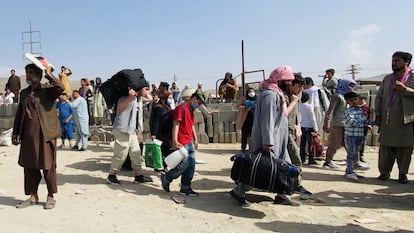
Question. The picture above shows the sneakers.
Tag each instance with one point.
(113, 180)
(165, 183)
(402, 179)
(188, 192)
(142, 179)
(384, 177)
(302, 190)
(238, 198)
(312, 162)
(361, 167)
(352, 177)
(330, 165)
(285, 200)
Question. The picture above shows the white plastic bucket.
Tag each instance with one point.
(173, 159)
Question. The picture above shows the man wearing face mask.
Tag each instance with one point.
(36, 127)
(184, 135)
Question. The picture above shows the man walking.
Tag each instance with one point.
(184, 135)
(124, 131)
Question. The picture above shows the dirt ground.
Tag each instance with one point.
(85, 203)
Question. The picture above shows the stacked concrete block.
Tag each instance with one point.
(209, 125)
(368, 140)
(238, 136)
(202, 138)
(224, 126)
(7, 114)
(8, 110)
(204, 116)
(198, 116)
(218, 132)
(201, 127)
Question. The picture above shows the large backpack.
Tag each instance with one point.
(166, 124)
(118, 85)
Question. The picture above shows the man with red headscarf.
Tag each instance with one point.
(270, 126)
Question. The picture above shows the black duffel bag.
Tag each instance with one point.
(263, 170)
(118, 85)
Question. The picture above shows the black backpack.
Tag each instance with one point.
(166, 124)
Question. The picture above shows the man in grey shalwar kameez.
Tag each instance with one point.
(270, 127)
(81, 120)
(394, 114)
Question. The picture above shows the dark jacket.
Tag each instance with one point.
(46, 105)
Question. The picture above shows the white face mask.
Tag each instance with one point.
(252, 94)
(32, 80)
(170, 101)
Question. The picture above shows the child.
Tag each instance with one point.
(308, 126)
(65, 118)
(354, 133)
(8, 96)
(362, 102)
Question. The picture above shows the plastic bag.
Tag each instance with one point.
(5, 138)
(153, 155)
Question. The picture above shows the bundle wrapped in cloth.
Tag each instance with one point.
(120, 83)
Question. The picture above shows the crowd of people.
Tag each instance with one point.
(282, 117)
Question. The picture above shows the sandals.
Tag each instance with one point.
(26, 203)
(50, 204)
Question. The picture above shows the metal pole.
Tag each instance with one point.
(31, 44)
(242, 74)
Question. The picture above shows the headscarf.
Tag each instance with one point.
(278, 74)
(391, 97)
(344, 86)
(247, 95)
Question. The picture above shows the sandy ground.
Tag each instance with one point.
(85, 203)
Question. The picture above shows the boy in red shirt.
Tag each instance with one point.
(184, 135)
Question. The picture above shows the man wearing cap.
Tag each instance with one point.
(184, 135)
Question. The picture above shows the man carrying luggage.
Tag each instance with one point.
(124, 131)
(270, 127)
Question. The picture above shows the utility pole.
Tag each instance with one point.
(30, 34)
(242, 73)
(353, 70)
